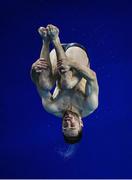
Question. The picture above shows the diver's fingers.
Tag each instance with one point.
(41, 64)
(39, 70)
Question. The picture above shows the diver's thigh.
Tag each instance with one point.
(78, 54)
(53, 60)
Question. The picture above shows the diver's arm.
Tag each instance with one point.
(92, 88)
(91, 94)
(41, 70)
(85, 71)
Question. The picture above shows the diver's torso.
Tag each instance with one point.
(71, 100)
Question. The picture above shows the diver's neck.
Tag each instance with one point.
(74, 109)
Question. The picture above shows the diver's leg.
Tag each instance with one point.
(67, 79)
(45, 78)
(45, 44)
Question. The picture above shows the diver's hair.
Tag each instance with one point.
(73, 140)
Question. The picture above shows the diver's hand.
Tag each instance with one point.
(40, 65)
(62, 66)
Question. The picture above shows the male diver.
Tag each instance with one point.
(76, 92)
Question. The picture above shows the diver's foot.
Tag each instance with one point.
(53, 32)
(44, 34)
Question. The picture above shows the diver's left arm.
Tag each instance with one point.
(85, 71)
(91, 94)
(92, 88)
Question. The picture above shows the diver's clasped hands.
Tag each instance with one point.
(63, 66)
(40, 65)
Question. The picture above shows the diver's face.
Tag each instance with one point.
(71, 125)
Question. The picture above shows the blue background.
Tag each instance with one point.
(29, 135)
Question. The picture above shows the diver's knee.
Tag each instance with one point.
(45, 84)
(45, 80)
(67, 84)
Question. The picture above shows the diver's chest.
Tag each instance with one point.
(74, 99)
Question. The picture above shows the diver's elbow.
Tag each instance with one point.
(95, 106)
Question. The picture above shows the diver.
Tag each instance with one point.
(76, 92)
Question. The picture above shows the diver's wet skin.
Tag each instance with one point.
(76, 92)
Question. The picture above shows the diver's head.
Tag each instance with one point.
(72, 127)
